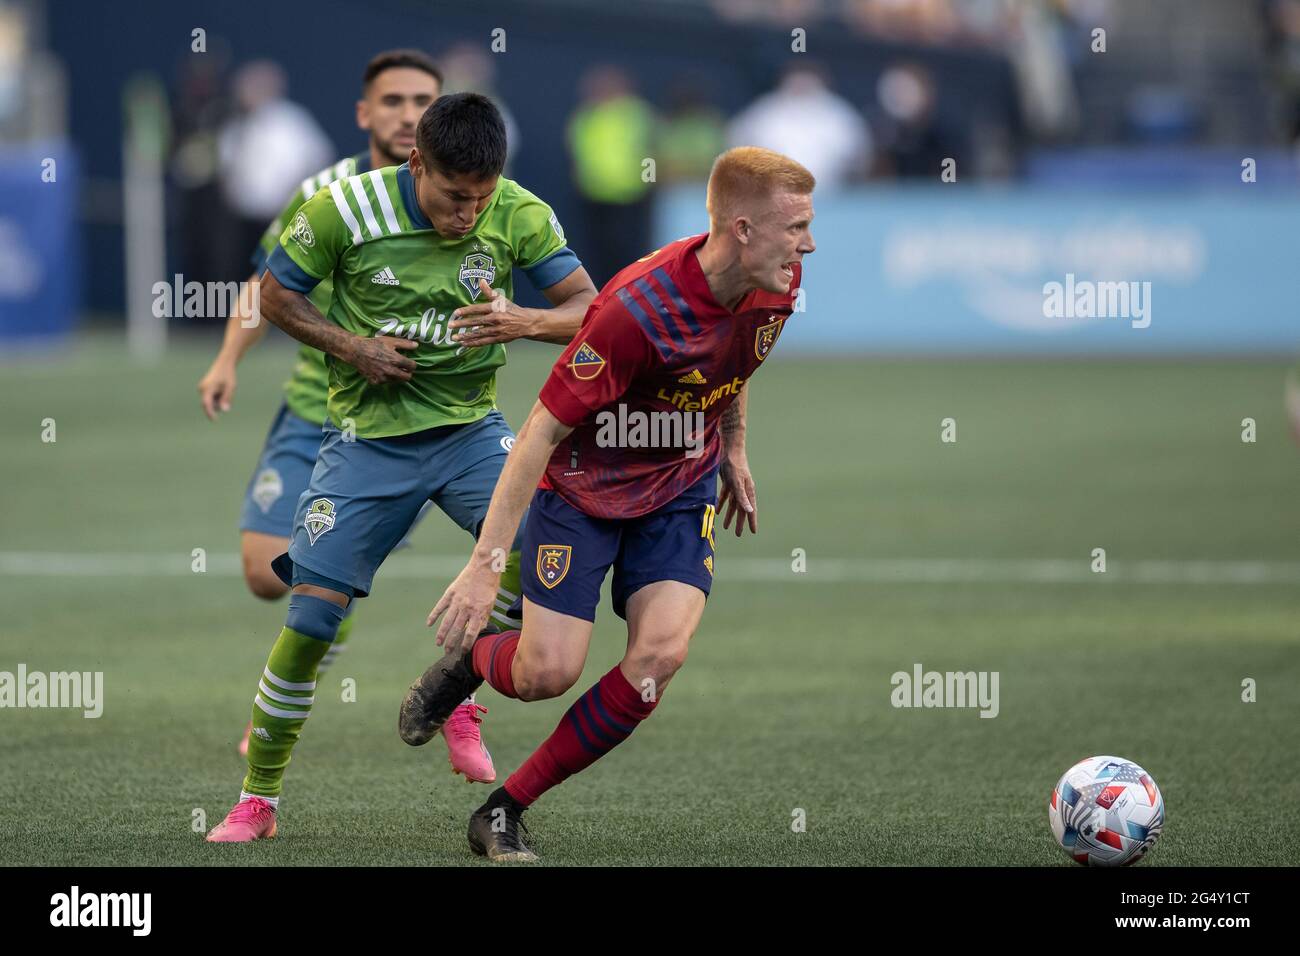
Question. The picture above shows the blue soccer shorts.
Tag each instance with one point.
(364, 495)
(282, 473)
(566, 553)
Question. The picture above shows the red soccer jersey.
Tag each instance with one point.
(653, 341)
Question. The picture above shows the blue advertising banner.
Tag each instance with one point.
(949, 269)
(40, 271)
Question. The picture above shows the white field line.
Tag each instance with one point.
(439, 568)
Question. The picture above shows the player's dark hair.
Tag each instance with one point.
(463, 133)
(393, 59)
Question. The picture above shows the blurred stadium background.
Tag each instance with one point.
(1173, 157)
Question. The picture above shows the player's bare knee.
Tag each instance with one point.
(659, 661)
(262, 581)
(543, 682)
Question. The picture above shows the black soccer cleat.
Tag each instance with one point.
(494, 830)
(434, 696)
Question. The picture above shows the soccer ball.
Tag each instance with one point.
(1106, 811)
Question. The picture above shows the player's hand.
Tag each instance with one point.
(380, 359)
(738, 497)
(465, 606)
(217, 388)
(495, 319)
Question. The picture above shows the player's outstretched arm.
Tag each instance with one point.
(243, 329)
(497, 319)
(466, 604)
(379, 359)
(737, 495)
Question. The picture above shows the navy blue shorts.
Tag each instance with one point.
(566, 553)
(365, 494)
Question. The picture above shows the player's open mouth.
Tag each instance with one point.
(788, 269)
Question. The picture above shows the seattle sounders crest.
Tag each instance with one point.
(477, 265)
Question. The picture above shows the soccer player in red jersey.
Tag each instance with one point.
(620, 460)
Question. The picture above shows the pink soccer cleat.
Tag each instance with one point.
(243, 744)
(465, 747)
(250, 819)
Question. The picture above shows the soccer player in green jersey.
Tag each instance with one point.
(421, 257)
(396, 88)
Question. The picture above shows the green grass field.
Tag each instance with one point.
(784, 704)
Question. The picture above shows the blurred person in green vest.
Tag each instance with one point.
(691, 136)
(609, 139)
(467, 69)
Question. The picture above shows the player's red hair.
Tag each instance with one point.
(747, 174)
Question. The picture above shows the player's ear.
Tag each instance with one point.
(741, 229)
(363, 115)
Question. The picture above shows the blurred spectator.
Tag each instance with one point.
(1282, 42)
(910, 140)
(805, 120)
(467, 69)
(206, 228)
(264, 152)
(932, 21)
(1040, 52)
(779, 12)
(690, 137)
(609, 137)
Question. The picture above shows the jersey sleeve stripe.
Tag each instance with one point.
(685, 310)
(558, 265)
(341, 202)
(363, 202)
(288, 273)
(643, 320)
(656, 303)
(385, 204)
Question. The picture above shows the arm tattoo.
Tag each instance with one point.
(731, 420)
(295, 314)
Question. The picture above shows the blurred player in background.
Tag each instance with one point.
(402, 245)
(679, 332)
(396, 88)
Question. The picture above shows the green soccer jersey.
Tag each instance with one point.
(306, 390)
(394, 275)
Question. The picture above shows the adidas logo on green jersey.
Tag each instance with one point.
(385, 277)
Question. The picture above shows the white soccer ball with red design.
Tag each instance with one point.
(1106, 811)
